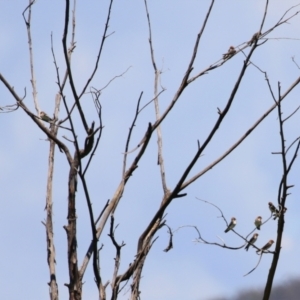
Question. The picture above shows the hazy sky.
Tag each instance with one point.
(241, 185)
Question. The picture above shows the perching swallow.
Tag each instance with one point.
(231, 51)
(45, 117)
(231, 225)
(272, 208)
(258, 222)
(266, 246)
(275, 212)
(254, 38)
(252, 241)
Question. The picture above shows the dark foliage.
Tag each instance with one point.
(289, 290)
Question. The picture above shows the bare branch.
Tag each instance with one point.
(118, 247)
(33, 80)
(117, 196)
(200, 239)
(160, 160)
(250, 130)
(170, 245)
(115, 77)
(72, 84)
(293, 59)
(130, 132)
(20, 102)
(289, 116)
(255, 266)
(263, 20)
(100, 49)
(282, 196)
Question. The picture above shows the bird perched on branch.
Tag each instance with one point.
(266, 246)
(276, 212)
(258, 222)
(252, 241)
(231, 51)
(272, 208)
(254, 38)
(45, 117)
(231, 224)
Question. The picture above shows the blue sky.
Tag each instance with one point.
(241, 185)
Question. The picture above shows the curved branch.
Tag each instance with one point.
(35, 119)
(64, 42)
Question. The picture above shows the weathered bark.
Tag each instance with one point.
(49, 223)
(75, 284)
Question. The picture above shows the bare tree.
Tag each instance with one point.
(82, 136)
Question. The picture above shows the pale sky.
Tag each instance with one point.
(241, 185)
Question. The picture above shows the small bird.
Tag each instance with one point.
(254, 38)
(231, 224)
(272, 208)
(231, 51)
(258, 222)
(266, 246)
(252, 241)
(45, 117)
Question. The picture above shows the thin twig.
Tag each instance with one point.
(130, 133)
(255, 266)
(160, 159)
(33, 80)
(100, 50)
